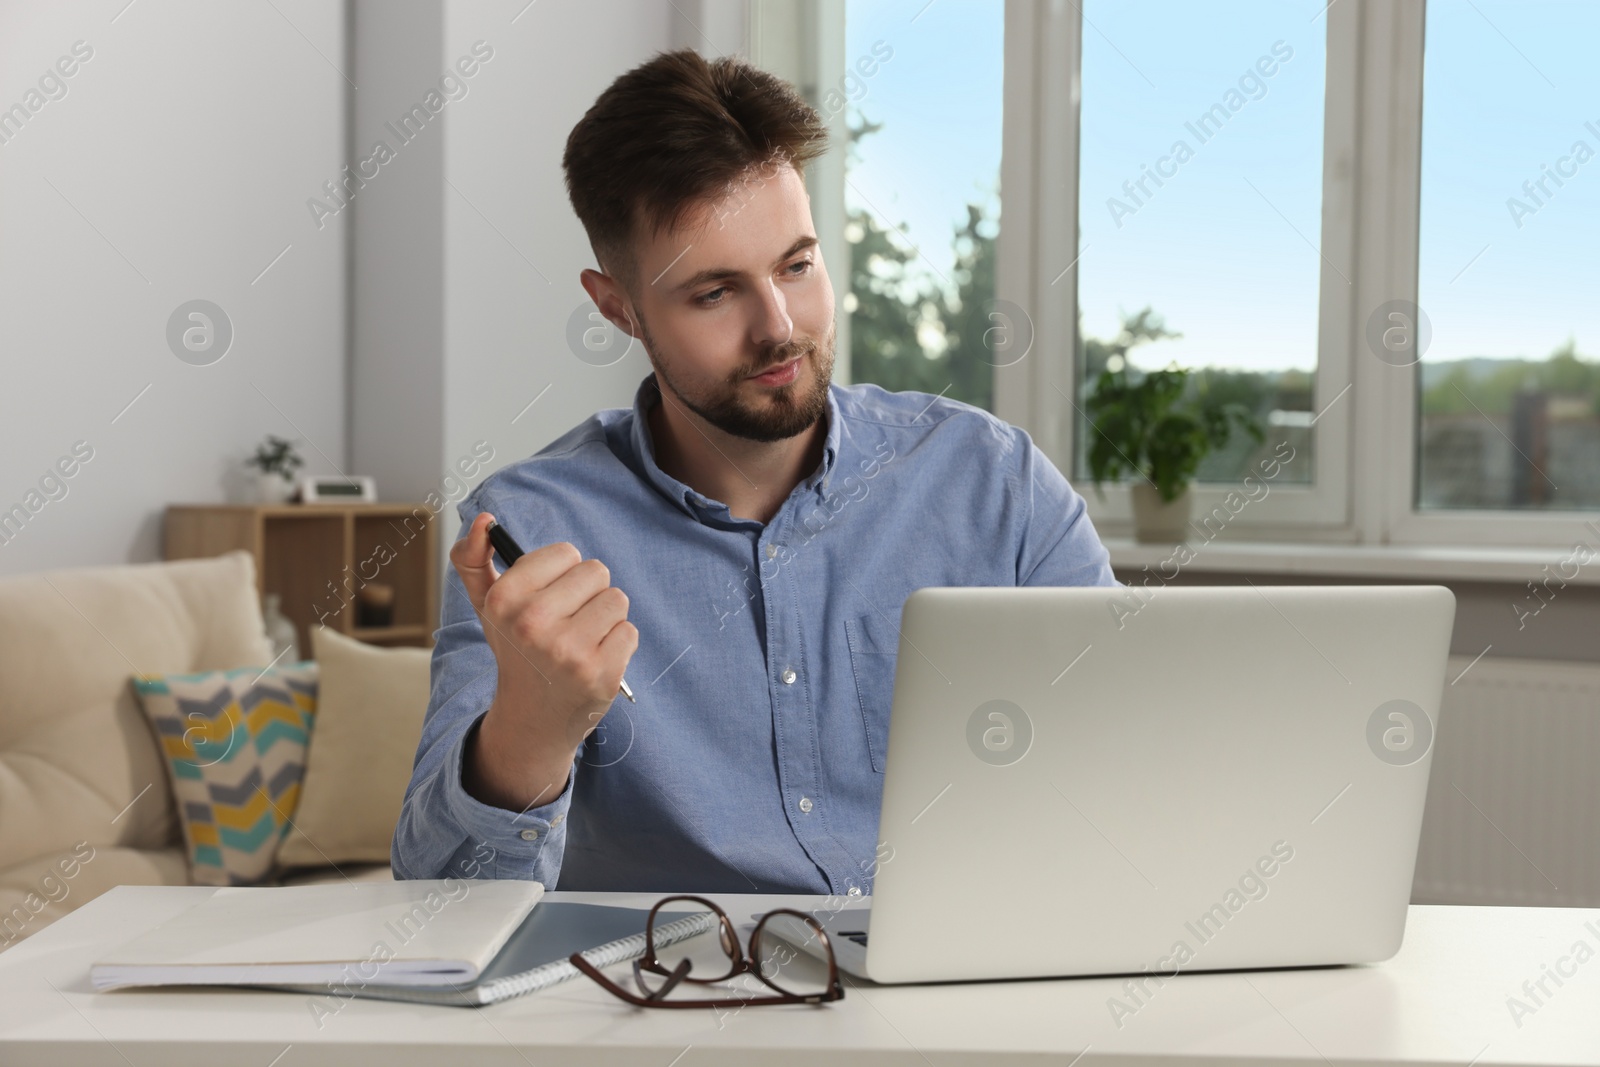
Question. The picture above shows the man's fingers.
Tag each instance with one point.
(576, 606)
(473, 558)
(590, 624)
(541, 567)
(621, 643)
(566, 596)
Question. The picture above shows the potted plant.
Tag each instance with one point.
(1156, 426)
(275, 461)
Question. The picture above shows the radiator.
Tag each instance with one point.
(1513, 810)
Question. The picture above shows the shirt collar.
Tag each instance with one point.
(696, 504)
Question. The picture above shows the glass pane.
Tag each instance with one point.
(1200, 203)
(922, 195)
(1508, 268)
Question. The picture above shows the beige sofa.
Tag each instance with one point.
(85, 803)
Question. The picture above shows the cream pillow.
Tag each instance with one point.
(370, 704)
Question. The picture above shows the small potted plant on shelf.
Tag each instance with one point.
(275, 462)
(1156, 426)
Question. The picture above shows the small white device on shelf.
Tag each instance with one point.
(323, 488)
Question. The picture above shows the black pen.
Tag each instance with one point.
(510, 551)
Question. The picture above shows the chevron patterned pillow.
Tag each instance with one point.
(235, 743)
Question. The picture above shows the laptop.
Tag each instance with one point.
(1096, 781)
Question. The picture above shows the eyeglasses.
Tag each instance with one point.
(653, 994)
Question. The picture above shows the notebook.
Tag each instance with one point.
(408, 932)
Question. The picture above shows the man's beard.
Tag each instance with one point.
(791, 409)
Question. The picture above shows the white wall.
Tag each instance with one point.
(176, 166)
(513, 247)
(397, 290)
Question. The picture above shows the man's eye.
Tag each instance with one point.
(800, 267)
(707, 300)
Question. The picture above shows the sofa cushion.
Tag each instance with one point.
(37, 892)
(78, 762)
(235, 743)
(370, 704)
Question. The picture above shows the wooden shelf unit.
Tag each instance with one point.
(317, 556)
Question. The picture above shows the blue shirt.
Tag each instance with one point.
(753, 761)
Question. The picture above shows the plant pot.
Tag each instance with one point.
(1160, 523)
(273, 488)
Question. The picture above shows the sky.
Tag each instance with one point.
(1507, 90)
(1227, 247)
(939, 97)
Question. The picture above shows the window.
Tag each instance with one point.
(1508, 279)
(1209, 230)
(1200, 197)
(1278, 196)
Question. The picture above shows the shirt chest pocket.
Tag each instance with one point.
(873, 643)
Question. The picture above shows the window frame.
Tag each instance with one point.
(1400, 27)
(1042, 108)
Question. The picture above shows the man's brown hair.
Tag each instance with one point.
(674, 134)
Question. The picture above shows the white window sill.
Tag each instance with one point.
(1414, 562)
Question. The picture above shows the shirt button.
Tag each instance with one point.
(855, 891)
(530, 835)
(772, 550)
(788, 677)
(805, 804)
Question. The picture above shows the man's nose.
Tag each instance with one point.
(773, 326)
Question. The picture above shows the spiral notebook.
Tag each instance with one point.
(536, 956)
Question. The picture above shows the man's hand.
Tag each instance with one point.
(561, 640)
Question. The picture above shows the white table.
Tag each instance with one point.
(1443, 999)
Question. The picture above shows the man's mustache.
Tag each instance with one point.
(784, 353)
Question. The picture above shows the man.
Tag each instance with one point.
(739, 543)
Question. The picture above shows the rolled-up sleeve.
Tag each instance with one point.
(1059, 544)
(443, 830)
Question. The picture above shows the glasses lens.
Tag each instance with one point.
(713, 959)
(792, 953)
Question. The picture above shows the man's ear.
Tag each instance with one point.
(608, 295)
